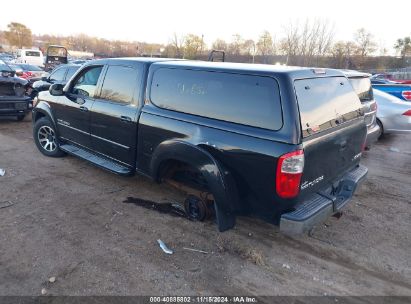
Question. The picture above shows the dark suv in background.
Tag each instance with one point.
(61, 74)
(13, 98)
(280, 143)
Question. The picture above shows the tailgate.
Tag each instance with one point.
(332, 122)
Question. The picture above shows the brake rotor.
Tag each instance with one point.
(196, 208)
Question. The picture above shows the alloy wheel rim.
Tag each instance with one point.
(47, 138)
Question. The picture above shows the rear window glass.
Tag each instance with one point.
(363, 88)
(32, 54)
(243, 99)
(57, 51)
(325, 103)
(29, 67)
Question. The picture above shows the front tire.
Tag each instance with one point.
(45, 137)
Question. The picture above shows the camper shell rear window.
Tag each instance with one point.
(325, 103)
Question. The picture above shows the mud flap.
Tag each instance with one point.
(225, 214)
(225, 220)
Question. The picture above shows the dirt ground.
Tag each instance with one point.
(69, 220)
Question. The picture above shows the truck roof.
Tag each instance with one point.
(294, 72)
(353, 74)
(132, 59)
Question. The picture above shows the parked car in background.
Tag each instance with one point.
(362, 86)
(13, 98)
(401, 91)
(393, 114)
(280, 143)
(78, 61)
(6, 57)
(30, 56)
(55, 55)
(61, 75)
(27, 71)
(388, 78)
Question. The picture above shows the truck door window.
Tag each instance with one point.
(119, 84)
(86, 83)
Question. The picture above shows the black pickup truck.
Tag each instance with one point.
(280, 143)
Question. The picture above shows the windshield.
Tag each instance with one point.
(57, 51)
(362, 86)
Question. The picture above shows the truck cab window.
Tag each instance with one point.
(86, 82)
(119, 84)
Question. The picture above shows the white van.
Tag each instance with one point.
(30, 56)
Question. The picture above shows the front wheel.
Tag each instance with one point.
(46, 139)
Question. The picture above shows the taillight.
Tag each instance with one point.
(27, 75)
(407, 113)
(289, 171)
(406, 95)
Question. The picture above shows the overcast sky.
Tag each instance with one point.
(157, 20)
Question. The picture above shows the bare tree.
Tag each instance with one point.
(19, 35)
(250, 48)
(365, 42)
(265, 45)
(235, 47)
(220, 44)
(307, 42)
(193, 45)
(178, 44)
(290, 44)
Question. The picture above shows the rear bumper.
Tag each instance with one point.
(323, 204)
(11, 106)
(372, 135)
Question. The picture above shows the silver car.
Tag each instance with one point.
(393, 114)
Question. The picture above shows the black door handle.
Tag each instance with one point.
(83, 108)
(125, 118)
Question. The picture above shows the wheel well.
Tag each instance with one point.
(380, 123)
(188, 180)
(38, 116)
(182, 172)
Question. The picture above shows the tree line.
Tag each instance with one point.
(308, 43)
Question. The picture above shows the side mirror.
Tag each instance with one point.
(44, 78)
(56, 89)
